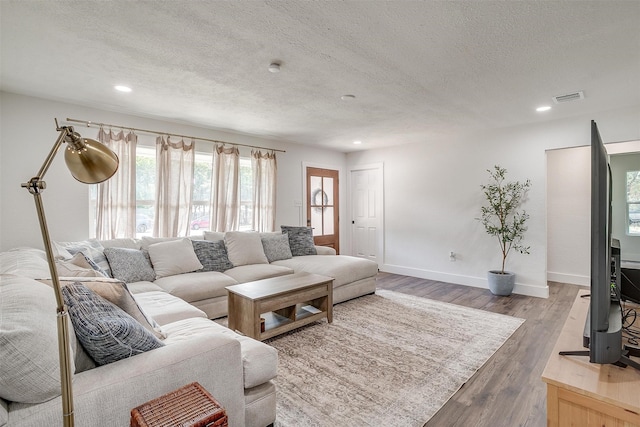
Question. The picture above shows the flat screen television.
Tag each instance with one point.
(603, 326)
(605, 313)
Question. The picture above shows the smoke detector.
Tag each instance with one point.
(575, 96)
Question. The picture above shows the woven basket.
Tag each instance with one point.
(189, 406)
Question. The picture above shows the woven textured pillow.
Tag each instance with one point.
(130, 265)
(300, 240)
(212, 255)
(276, 247)
(107, 333)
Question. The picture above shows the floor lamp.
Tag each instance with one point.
(89, 162)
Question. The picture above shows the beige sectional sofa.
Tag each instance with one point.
(237, 370)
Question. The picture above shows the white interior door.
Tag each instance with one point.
(367, 234)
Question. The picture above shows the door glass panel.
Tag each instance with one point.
(328, 221)
(316, 191)
(328, 191)
(316, 221)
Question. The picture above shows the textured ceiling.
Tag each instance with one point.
(420, 70)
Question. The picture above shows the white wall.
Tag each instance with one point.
(569, 210)
(620, 164)
(27, 133)
(432, 196)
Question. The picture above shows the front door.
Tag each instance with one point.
(322, 206)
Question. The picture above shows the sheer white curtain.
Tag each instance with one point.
(116, 198)
(224, 189)
(174, 164)
(265, 168)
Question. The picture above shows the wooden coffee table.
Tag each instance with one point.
(284, 302)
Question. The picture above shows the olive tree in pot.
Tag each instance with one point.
(502, 219)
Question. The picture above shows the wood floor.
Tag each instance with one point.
(507, 391)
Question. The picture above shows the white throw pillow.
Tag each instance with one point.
(173, 257)
(213, 236)
(244, 248)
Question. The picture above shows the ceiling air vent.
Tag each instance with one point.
(575, 96)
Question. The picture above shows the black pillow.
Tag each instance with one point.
(300, 240)
(212, 255)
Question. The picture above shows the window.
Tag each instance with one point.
(200, 210)
(246, 195)
(633, 203)
(145, 190)
(201, 193)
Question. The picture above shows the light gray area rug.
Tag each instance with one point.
(386, 360)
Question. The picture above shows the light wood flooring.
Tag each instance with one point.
(507, 391)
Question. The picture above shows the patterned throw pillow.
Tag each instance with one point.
(91, 248)
(276, 247)
(130, 265)
(212, 255)
(300, 240)
(107, 333)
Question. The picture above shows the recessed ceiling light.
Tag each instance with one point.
(348, 97)
(357, 142)
(121, 88)
(274, 67)
(543, 108)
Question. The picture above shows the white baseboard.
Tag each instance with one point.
(476, 282)
(573, 279)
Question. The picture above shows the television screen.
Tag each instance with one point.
(605, 314)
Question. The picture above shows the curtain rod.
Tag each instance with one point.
(90, 123)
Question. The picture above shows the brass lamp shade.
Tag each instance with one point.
(89, 161)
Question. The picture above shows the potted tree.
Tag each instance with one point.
(502, 219)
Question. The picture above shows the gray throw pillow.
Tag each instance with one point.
(276, 247)
(300, 240)
(107, 333)
(130, 265)
(212, 255)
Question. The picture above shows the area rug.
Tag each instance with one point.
(387, 359)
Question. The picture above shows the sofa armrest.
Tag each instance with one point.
(325, 250)
(214, 361)
(106, 395)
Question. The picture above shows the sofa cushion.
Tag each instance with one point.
(259, 361)
(196, 286)
(300, 240)
(276, 246)
(29, 364)
(91, 248)
(143, 286)
(124, 242)
(79, 265)
(27, 262)
(147, 241)
(343, 268)
(117, 293)
(130, 265)
(249, 273)
(212, 255)
(213, 236)
(244, 247)
(173, 257)
(165, 308)
(107, 333)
